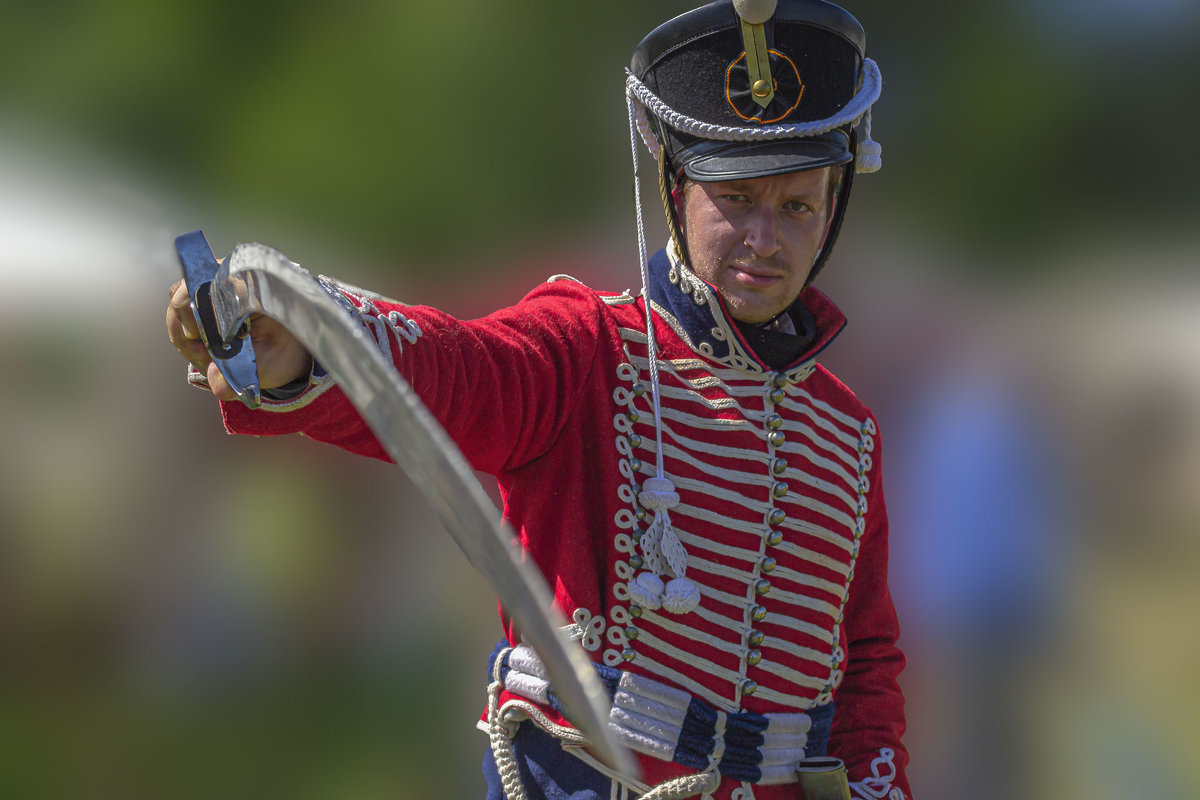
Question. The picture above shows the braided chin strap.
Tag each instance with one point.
(857, 111)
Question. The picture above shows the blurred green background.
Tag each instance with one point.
(184, 614)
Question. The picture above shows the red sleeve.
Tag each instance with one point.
(869, 707)
(502, 386)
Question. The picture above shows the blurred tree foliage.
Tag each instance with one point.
(446, 128)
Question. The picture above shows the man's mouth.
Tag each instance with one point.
(754, 276)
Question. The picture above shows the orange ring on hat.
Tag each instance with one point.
(729, 72)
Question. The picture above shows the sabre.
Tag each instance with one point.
(256, 279)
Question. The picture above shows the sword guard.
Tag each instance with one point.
(232, 351)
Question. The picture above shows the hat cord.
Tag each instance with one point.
(858, 109)
(663, 553)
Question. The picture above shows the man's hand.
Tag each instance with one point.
(280, 357)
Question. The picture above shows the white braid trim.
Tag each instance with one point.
(853, 112)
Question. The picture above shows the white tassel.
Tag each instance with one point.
(681, 596)
(664, 554)
(646, 590)
(870, 154)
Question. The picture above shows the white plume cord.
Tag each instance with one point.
(662, 550)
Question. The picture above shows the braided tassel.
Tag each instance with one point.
(664, 554)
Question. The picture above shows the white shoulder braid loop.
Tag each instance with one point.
(856, 112)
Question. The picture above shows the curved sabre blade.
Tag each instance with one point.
(256, 279)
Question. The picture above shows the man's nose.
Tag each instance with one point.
(762, 233)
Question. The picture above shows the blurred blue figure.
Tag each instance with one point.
(975, 564)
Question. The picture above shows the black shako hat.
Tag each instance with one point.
(756, 64)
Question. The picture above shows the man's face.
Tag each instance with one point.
(756, 239)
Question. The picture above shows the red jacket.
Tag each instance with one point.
(552, 397)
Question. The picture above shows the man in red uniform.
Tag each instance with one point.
(703, 496)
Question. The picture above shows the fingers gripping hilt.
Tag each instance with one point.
(225, 334)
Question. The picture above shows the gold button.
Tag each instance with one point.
(761, 88)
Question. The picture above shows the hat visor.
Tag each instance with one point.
(729, 161)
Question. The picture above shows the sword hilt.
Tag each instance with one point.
(231, 351)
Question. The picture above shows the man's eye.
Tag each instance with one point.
(736, 198)
(796, 206)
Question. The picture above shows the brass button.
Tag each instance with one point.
(631, 632)
(776, 517)
(633, 416)
(753, 657)
(635, 464)
(779, 466)
(761, 88)
(758, 613)
(638, 389)
(774, 422)
(779, 490)
(777, 396)
(628, 654)
(755, 638)
(774, 538)
(635, 610)
(749, 687)
(635, 440)
(776, 438)
(636, 561)
(780, 380)
(766, 565)
(762, 586)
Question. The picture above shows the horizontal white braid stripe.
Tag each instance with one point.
(735, 600)
(802, 526)
(706, 489)
(855, 425)
(717, 620)
(823, 421)
(790, 675)
(751, 557)
(815, 631)
(753, 527)
(679, 679)
(647, 639)
(812, 557)
(783, 572)
(759, 458)
(710, 423)
(782, 699)
(727, 375)
(799, 651)
(719, 404)
(794, 448)
(688, 632)
(848, 456)
(817, 657)
(713, 568)
(794, 599)
(780, 573)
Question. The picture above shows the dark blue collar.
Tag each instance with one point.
(697, 312)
